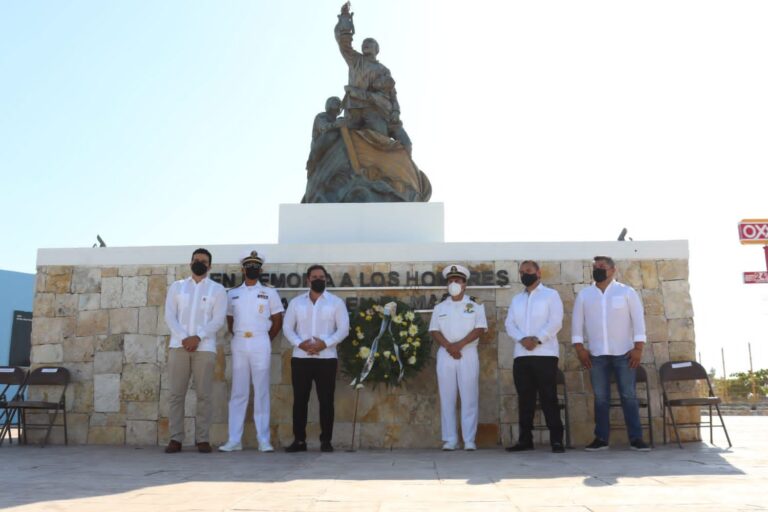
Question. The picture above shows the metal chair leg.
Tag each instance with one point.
(674, 425)
(723, 424)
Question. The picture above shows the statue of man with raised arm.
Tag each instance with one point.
(371, 98)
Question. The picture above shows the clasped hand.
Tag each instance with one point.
(313, 346)
(530, 342)
(190, 343)
(454, 349)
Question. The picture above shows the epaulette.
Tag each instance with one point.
(445, 296)
(474, 299)
(268, 285)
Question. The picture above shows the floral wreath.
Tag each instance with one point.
(387, 343)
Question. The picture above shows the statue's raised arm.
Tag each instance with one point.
(344, 30)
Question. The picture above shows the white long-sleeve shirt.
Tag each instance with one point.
(613, 319)
(195, 309)
(538, 313)
(327, 318)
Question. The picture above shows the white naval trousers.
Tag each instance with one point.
(458, 377)
(250, 364)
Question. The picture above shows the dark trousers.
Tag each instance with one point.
(537, 375)
(322, 372)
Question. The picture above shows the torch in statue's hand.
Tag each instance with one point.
(346, 27)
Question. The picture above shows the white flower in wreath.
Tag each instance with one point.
(360, 335)
(364, 352)
(412, 360)
(417, 344)
(398, 319)
(387, 353)
(405, 347)
(413, 330)
(410, 316)
(403, 334)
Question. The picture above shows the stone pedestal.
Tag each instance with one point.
(114, 337)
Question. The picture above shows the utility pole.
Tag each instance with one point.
(725, 375)
(751, 372)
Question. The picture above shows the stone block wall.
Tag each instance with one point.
(106, 325)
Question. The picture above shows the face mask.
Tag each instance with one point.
(528, 279)
(454, 289)
(599, 274)
(199, 268)
(252, 273)
(318, 285)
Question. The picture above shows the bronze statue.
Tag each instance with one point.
(371, 160)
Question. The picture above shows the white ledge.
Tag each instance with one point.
(370, 252)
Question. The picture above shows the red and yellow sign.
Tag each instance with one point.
(753, 231)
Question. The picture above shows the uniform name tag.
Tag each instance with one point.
(260, 296)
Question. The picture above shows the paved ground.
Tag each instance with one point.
(700, 477)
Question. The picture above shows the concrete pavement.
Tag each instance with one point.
(701, 477)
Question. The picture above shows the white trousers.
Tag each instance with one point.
(458, 377)
(248, 367)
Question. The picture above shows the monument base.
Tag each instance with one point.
(100, 313)
(344, 223)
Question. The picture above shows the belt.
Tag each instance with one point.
(248, 334)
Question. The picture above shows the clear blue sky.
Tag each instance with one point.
(186, 122)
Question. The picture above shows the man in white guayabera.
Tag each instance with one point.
(195, 309)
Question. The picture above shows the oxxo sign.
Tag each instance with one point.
(755, 231)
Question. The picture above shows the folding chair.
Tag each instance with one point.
(45, 376)
(688, 371)
(562, 402)
(10, 376)
(641, 378)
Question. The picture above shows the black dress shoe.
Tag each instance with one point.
(519, 447)
(558, 448)
(326, 447)
(296, 446)
(173, 447)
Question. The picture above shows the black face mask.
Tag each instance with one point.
(599, 274)
(528, 279)
(199, 268)
(252, 273)
(318, 285)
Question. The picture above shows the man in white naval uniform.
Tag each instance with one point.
(254, 317)
(457, 323)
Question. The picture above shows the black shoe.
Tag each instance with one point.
(596, 445)
(173, 447)
(519, 447)
(296, 446)
(558, 448)
(639, 445)
(326, 447)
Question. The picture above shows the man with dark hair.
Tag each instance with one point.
(315, 323)
(535, 317)
(195, 309)
(611, 313)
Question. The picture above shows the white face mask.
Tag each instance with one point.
(454, 289)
